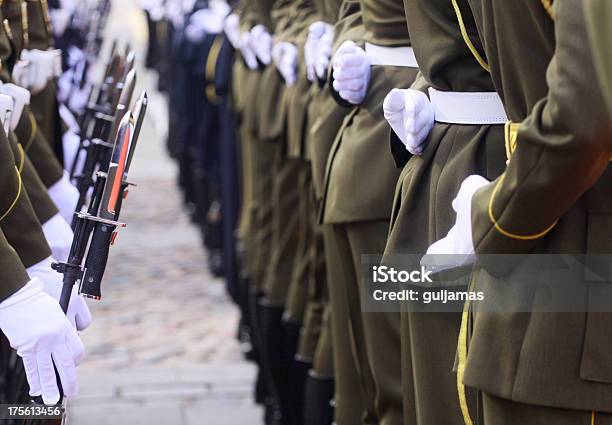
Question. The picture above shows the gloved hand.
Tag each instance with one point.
(261, 43)
(285, 56)
(207, 21)
(65, 196)
(457, 248)
(59, 236)
(78, 313)
(231, 27)
(60, 19)
(324, 52)
(37, 328)
(411, 117)
(36, 68)
(351, 72)
(247, 51)
(315, 32)
(21, 98)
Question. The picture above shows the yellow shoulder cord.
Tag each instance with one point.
(25, 27)
(211, 64)
(21, 157)
(33, 129)
(462, 348)
(505, 232)
(467, 40)
(548, 6)
(19, 184)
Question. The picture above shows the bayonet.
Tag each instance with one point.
(105, 225)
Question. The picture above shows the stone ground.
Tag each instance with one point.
(161, 349)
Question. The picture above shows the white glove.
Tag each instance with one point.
(37, 328)
(411, 117)
(36, 68)
(315, 32)
(247, 51)
(59, 237)
(261, 43)
(60, 19)
(231, 27)
(70, 143)
(6, 112)
(65, 196)
(78, 99)
(78, 313)
(285, 56)
(457, 248)
(207, 21)
(69, 119)
(351, 72)
(324, 52)
(21, 98)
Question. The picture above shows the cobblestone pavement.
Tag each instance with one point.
(162, 347)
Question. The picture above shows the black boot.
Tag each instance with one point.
(292, 400)
(271, 353)
(318, 395)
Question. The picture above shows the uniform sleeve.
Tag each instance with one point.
(39, 25)
(562, 149)
(13, 274)
(598, 16)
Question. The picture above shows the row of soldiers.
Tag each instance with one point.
(464, 127)
(38, 144)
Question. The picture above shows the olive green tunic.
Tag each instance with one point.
(19, 222)
(560, 168)
(325, 115)
(13, 275)
(360, 171)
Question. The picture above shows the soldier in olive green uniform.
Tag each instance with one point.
(325, 117)
(287, 168)
(456, 147)
(358, 195)
(537, 368)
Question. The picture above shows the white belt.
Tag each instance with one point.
(391, 56)
(476, 108)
